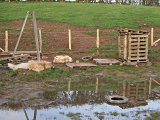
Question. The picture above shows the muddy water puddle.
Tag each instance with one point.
(88, 101)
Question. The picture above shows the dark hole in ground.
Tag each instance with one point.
(117, 98)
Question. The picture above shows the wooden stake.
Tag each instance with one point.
(69, 35)
(20, 35)
(97, 43)
(152, 36)
(6, 41)
(36, 35)
(40, 39)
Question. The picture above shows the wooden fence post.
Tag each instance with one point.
(69, 35)
(6, 41)
(152, 36)
(40, 40)
(97, 43)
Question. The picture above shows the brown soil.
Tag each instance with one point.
(55, 38)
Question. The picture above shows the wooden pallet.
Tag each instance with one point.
(138, 48)
(133, 45)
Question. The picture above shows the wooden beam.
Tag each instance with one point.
(23, 52)
(156, 42)
(20, 35)
(2, 50)
(156, 82)
(36, 35)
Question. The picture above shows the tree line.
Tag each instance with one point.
(129, 2)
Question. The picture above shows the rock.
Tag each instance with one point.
(62, 59)
(38, 66)
(18, 66)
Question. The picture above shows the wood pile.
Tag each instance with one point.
(16, 59)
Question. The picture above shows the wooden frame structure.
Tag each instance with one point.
(37, 36)
(133, 45)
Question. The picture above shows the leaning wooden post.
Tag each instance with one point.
(36, 35)
(20, 35)
(152, 39)
(69, 36)
(40, 40)
(6, 41)
(97, 42)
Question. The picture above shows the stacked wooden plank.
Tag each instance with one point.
(133, 45)
(16, 59)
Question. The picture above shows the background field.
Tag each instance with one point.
(88, 14)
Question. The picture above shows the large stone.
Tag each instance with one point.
(38, 66)
(18, 66)
(62, 59)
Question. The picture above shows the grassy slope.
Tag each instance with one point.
(100, 15)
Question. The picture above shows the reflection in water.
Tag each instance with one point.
(88, 102)
(86, 111)
(136, 92)
(97, 79)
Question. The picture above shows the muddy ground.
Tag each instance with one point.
(32, 88)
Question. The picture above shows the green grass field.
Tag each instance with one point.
(85, 14)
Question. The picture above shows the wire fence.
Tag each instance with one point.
(58, 40)
(52, 41)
